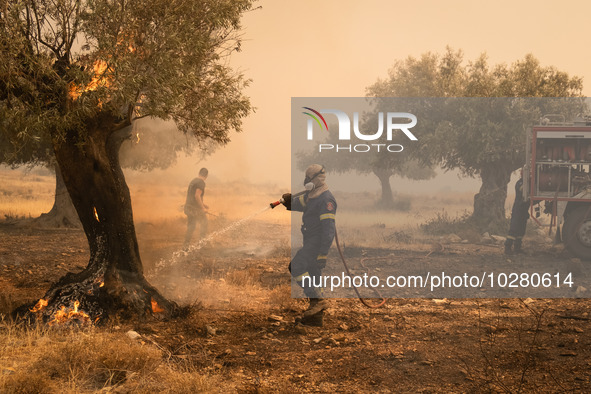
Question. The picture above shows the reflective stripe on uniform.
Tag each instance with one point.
(301, 277)
(302, 201)
(510, 237)
(327, 216)
(321, 257)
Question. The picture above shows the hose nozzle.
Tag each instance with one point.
(274, 204)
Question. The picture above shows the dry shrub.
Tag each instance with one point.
(208, 267)
(96, 360)
(27, 383)
(167, 380)
(90, 361)
(39, 360)
(248, 277)
(463, 225)
(280, 297)
(444, 224)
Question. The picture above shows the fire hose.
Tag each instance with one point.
(336, 237)
(363, 301)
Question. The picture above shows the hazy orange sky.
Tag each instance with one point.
(338, 48)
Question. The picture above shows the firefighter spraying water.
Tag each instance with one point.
(318, 206)
(318, 229)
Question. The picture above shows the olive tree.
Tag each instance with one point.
(79, 73)
(484, 137)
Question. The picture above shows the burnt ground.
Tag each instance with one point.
(242, 321)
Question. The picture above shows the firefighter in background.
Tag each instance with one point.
(519, 216)
(318, 228)
(195, 209)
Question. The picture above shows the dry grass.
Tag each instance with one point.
(49, 361)
(244, 278)
(25, 194)
(8, 299)
(280, 297)
(358, 210)
(237, 289)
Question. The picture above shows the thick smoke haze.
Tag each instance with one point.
(338, 48)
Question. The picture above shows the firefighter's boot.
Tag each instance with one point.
(315, 320)
(316, 306)
(508, 246)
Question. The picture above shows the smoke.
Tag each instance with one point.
(224, 269)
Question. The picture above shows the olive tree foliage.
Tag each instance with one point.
(80, 73)
(481, 137)
(164, 59)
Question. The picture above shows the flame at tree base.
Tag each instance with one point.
(39, 306)
(155, 307)
(67, 315)
(75, 302)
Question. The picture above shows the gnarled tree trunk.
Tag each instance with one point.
(62, 213)
(489, 202)
(384, 175)
(113, 280)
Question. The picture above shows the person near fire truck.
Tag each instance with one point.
(195, 209)
(319, 208)
(519, 217)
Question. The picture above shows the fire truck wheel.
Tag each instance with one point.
(576, 232)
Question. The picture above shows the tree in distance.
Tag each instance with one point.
(161, 142)
(481, 137)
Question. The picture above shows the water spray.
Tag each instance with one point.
(232, 226)
(182, 253)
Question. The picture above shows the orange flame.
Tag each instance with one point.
(98, 79)
(64, 315)
(39, 306)
(137, 135)
(96, 215)
(102, 284)
(155, 307)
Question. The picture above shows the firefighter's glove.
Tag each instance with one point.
(321, 261)
(286, 201)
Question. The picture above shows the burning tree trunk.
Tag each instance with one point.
(113, 281)
(62, 213)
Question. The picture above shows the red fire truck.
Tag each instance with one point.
(558, 174)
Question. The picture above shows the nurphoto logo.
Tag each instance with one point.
(402, 121)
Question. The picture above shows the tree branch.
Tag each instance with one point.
(75, 27)
(39, 34)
